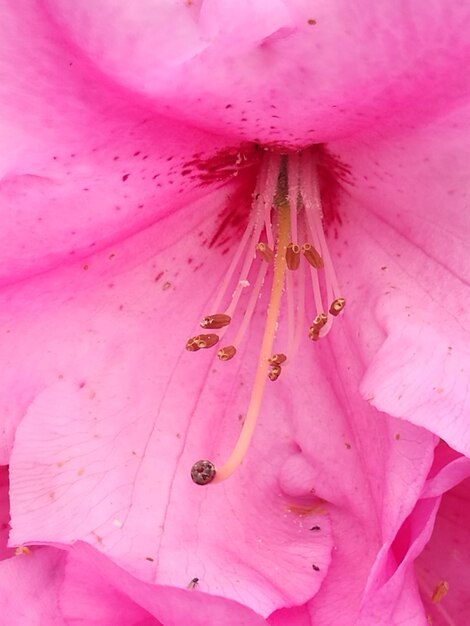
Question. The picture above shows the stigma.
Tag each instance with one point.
(283, 251)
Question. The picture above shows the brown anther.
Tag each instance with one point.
(293, 256)
(312, 256)
(320, 321)
(219, 320)
(274, 372)
(208, 340)
(278, 359)
(192, 344)
(313, 333)
(265, 252)
(337, 306)
(203, 472)
(226, 353)
(317, 325)
(201, 341)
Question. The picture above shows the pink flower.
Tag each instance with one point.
(128, 168)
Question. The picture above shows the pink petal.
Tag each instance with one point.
(296, 616)
(5, 552)
(83, 163)
(393, 597)
(393, 590)
(406, 231)
(30, 588)
(281, 71)
(104, 451)
(445, 560)
(90, 593)
(96, 589)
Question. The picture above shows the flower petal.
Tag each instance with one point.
(30, 588)
(397, 601)
(281, 71)
(83, 163)
(104, 450)
(369, 468)
(5, 552)
(406, 230)
(96, 587)
(443, 564)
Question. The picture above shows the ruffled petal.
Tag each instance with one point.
(441, 569)
(405, 232)
(369, 468)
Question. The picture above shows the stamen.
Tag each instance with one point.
(278, 359)
(318, 323)
(250, 236)
(290, 297)
(293, 347)
(250, 309)
(311, 196)
(316, 291)
(219, 320)
(274, 372)
(293, 174)
(293, 256)
(337, 306)
(265, 252)
(227, 353)
(228, 276)
(312, 256)
(201, 341)
(272, 173)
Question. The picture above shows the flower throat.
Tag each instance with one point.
(285, 238)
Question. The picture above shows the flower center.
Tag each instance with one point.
(285, 238)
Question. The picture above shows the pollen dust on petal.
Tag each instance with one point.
(318, 508)
(440, 591)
